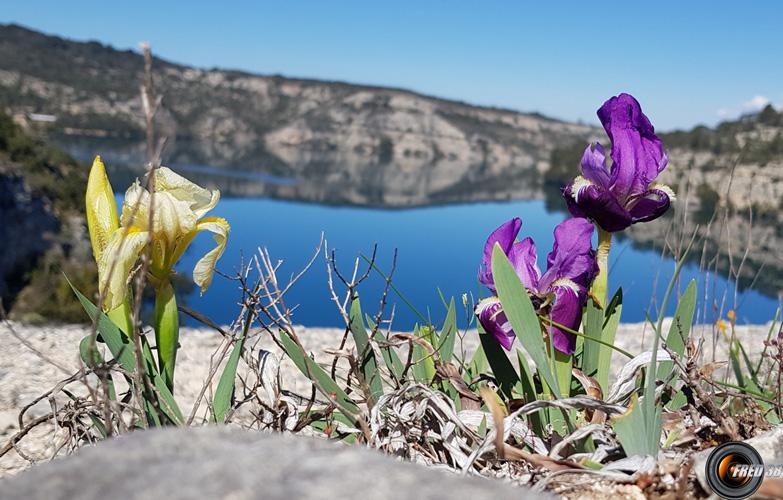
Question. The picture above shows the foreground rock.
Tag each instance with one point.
(214, 462)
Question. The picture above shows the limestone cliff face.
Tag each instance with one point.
(399, 147)
(42, 228)
(26, 232)
(730, 184)
(736, 208)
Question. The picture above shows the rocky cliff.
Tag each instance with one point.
(42, 228)
(730, 185)
(373, 146)
(28, 224)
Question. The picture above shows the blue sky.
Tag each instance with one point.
(687, 62)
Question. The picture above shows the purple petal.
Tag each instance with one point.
(594, 166)
(566, 311)
(637, 153)
(493, 319)
(568, 195)
(523, 257)
(504, 236)
(572, 255)
(572, 237)
(600, 205)
(652, 205)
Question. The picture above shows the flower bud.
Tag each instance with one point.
(101, 208)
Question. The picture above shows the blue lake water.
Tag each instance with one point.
(438, 248)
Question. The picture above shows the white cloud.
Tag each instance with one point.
(756, 104)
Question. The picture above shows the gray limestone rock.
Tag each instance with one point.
(215, 462)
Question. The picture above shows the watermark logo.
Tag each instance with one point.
(735, 470)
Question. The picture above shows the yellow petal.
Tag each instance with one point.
(199, 199)
(182, 244)
(135, 208)
(205, 267)
(173, 218)
(101, 208)
(116, 262)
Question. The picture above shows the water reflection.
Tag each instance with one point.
(439, 246)
(439, 250)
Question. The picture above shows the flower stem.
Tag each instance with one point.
(598, 292)
(600, 283)
(166, 331)
(563, 365)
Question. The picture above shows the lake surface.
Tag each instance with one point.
(438, 248)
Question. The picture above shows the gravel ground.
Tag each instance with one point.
(33, 359)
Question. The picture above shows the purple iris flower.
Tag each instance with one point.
(627, 193)
(560, 293)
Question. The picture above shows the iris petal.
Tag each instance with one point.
(652, 205)
(572, 237)
(491, 316)
(600, 205)
(503, 236)
(205, 267)
(523, 257)
(637, 153)
(135, 207)
(566, 311)
(572, 257)
(101, 209)
(199, 199)
(120, 254)
(172, 216)
(594, 165)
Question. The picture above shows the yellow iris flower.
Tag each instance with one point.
(178, 209)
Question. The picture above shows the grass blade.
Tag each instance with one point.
(390, 357)
(364, 352)
(680, 327)
(651, 411)
(224, 393)
(631, 430)
(423, 367)
(609, 331)
(323, 382)
(537, 420)
(478, 363)
(92, 357)
(593, 327)
(448, 334)
(507, 378)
